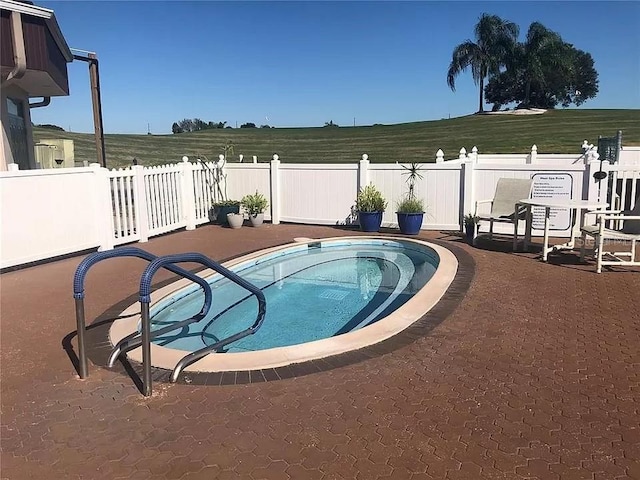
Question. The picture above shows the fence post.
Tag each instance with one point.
(188, 200)
(140, 203)
(468, 195)
(533, 156)
(363, 172)
(474, 154)
(275, 190)
(463, 154)
(439, 156)
(104, 206)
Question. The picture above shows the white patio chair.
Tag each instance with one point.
(629, 233)
(503, 206)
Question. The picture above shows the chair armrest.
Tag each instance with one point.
(619, 217)
(604, 212)
(478, 202)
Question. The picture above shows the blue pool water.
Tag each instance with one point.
(312, 291)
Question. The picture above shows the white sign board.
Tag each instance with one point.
(552, 185)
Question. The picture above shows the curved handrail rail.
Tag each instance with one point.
(145, 299)
(78, 294)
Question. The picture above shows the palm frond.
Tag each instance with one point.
(464, 55)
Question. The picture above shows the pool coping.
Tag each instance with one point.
(284, 358)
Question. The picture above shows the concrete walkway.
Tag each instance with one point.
(535, 374)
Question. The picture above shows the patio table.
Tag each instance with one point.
(548, 204)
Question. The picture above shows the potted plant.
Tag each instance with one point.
(470, 222)
(235, 220)
(221, 209)
(410, 210)
(370, 205)
(255, 205)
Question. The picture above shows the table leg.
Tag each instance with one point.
(574, 222)
(515, 228)
(528, 227)
(545, 244)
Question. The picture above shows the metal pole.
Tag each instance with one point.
(94, 78)
(146, 350)
(82, 354)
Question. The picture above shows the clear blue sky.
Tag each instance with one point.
(305, 63)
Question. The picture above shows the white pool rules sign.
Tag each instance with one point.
(552, 185)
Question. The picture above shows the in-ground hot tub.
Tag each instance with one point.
(324, 297)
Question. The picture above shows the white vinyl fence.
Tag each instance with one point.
(46, 213)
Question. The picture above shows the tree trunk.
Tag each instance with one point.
(480, 108)
(527, 93)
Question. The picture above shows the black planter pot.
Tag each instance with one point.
(218, 213)
(470, 232)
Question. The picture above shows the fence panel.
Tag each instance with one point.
(319, 194)
(51, 212)
(163, 193)
(247, 178)
(439, 188)
(124, 196)
(204, 190)
(625, 186)
(630, 155)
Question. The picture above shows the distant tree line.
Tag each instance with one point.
(50, 127)
(543, 71)
(253, 125)
(196, 124)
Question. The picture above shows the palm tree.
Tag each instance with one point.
(495, 38)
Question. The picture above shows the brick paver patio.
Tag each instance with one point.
(536, 374)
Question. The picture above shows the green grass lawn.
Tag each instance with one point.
(556, 131)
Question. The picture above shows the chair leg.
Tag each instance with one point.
(600, 240)
(583, 246)
(490, 229)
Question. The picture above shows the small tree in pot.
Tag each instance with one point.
(470, 222)
(370, 205)
(410, 210)
(255, 206)
(216, 180)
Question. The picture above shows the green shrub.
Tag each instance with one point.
(254, 204)
(226, 203)
(370, 200)
(470, 219)
(410, 205)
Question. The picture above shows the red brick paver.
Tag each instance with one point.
(535, 375)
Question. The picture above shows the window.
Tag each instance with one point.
(18, 133)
